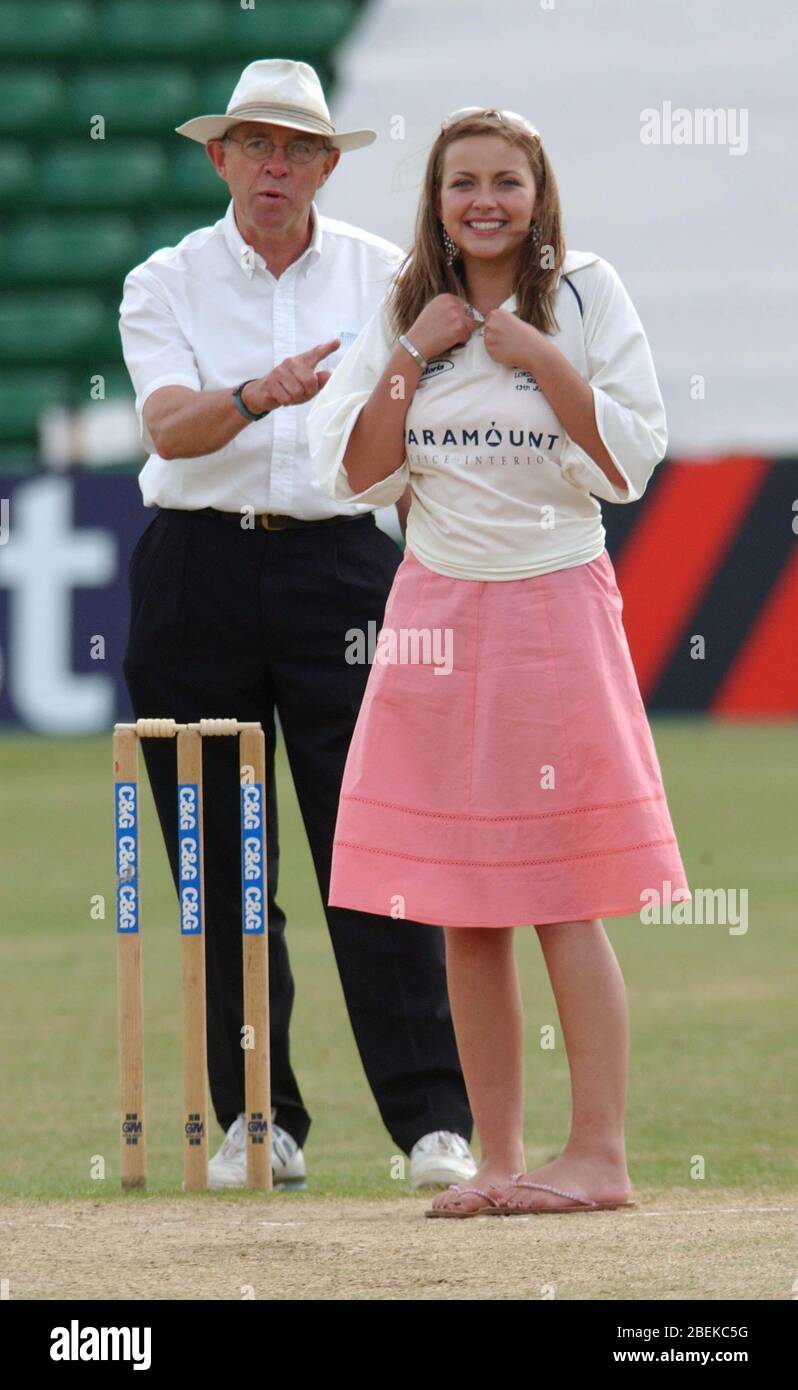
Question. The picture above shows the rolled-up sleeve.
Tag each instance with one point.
(334, 412)
(630, 415)
(155, 350)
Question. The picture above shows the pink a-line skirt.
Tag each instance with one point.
(520, 787)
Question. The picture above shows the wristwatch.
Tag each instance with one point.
(241, 405)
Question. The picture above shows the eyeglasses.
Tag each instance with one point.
(509, 117)
(259, 147)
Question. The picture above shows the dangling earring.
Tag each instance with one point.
(449, 246)
(534, 228)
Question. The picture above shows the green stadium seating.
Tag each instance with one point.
(118, 385)
(133, 99)
(162, 28)
(23, 397)
(31, 100)
(193, 179)
(17, 175)
(307, 29)
(51, 327)
(99, 173)
(61, 28)
(169, 229)
(107, 346)
(76, 214)
(70, 249)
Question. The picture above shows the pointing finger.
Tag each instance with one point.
(314, 355)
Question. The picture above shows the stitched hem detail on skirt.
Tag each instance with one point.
(501, 863)
(513, 816)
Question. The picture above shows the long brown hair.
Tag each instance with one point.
(424, 272)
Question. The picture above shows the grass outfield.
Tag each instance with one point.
(713, 1049)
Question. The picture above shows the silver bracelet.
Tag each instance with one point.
(414, 352)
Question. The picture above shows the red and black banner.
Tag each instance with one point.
(707, 563)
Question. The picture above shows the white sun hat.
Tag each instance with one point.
(277, 91)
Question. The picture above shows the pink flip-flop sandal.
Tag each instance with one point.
(490, 1202)
(582, 1203)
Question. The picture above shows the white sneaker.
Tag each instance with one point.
(228, 1167)
(288, 1161)
(440, 1158)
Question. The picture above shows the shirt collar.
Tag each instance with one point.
(574, 260)
(249, 260)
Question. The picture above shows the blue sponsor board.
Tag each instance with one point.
(126, 818)
(253, 869)
(190, 851)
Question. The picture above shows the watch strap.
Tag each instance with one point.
(242, 407)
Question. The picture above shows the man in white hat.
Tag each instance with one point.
(246, 582)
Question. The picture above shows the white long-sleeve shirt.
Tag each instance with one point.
(208, 314)
(499, 490)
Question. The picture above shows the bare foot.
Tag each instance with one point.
(489, 1179)
(592, 1178)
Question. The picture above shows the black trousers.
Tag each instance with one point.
(232, 622)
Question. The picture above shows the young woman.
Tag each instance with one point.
(514, 782)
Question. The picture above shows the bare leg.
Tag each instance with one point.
(485, 999)
(591, 1002)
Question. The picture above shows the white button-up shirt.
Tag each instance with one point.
(499, 490)
(209, 314)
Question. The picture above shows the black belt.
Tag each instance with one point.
(273, 521)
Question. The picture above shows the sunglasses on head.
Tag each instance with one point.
(510, 117)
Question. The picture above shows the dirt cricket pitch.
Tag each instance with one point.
(684, 1245)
